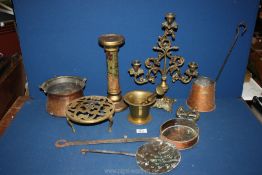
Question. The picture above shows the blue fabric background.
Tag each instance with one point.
(60, 38)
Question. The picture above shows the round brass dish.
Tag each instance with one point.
(181, 132)
(91, 109)
(61, 91)
(139, 110)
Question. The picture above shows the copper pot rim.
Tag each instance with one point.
(211, 82)
(192, 140)
(45, 86)
(184, 141)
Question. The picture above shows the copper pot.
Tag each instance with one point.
(202, 95)
(61, 91)
(181, 132)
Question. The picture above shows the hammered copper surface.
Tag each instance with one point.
(202, 95)
(56, 104)
(61, 91)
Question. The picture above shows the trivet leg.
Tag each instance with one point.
(110, 124)
(71, 125)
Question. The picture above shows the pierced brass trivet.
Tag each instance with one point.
(90, 110)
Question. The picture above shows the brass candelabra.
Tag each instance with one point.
(171, 66)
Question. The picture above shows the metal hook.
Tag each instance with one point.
(243, 26)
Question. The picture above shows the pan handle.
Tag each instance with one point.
(242, 25)
(64, 143)
(84, 151)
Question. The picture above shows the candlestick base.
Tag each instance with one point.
(120, 105)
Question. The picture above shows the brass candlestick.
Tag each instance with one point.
(164, 48)
(111, 44)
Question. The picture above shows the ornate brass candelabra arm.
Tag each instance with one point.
(190, 73)
(138, 72)
(171, 63)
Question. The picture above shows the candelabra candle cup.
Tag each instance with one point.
(111, 44)
(193, 66)
(136, 64)
(202, 95)
(170, 17)
(139, 111)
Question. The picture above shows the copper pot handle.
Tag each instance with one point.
(84, 80)
(42, 87)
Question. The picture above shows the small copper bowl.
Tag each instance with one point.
(61, 91)
(182, 133)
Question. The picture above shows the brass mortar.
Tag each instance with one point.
(139, 110)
